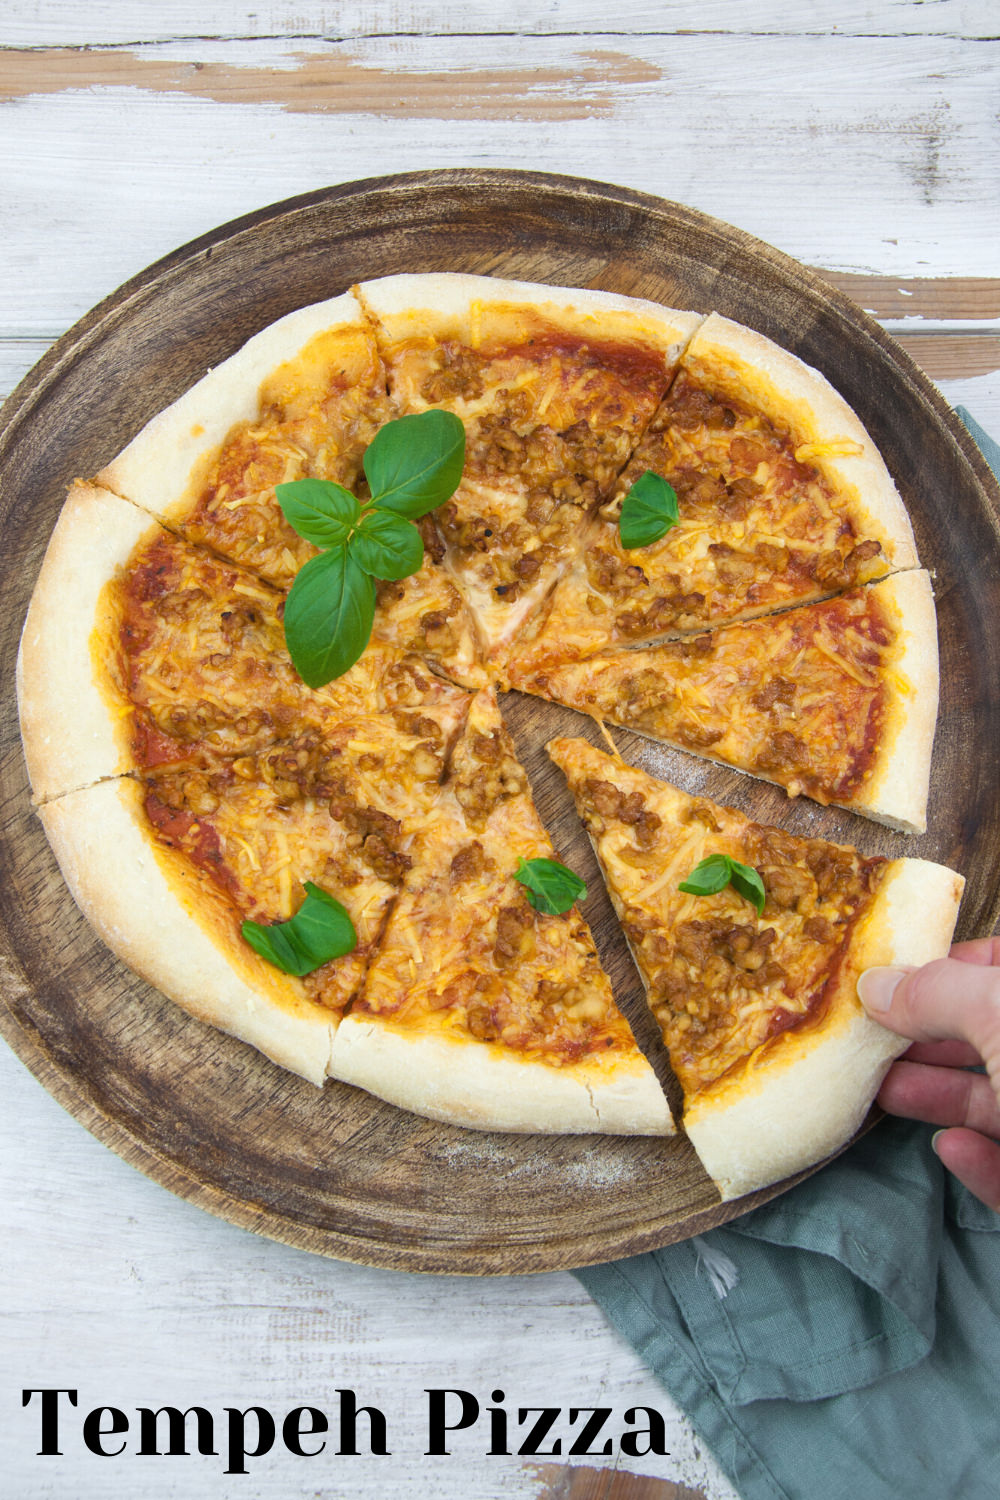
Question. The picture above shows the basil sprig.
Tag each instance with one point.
(717, 871)
(412, 465)
(549, 886)
(320, 930)
(648, 511)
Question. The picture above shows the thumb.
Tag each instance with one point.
(943, 999)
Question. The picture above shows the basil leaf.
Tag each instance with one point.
(320, 930)
(386, 546)
(328, 616)
(708, 876)
(648, 511)
(747, 881)
(551, 888)
(322, 512)
(716, 871)
(414, 463)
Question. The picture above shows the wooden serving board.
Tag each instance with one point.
(337, 1171)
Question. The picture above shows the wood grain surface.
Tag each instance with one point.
(340, 1172)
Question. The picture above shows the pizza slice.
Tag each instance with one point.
(167, 918)
(782, 498)
(835, 700)
(480, 1009)
(555, 387)
(201, 849)
(142, 650)
(753, 980)
(303, 398)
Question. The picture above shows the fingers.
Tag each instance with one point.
(974, 1161)
(951, 1011)
(943, 1054)
(979, 951)
(942, 1096)
(952, 998)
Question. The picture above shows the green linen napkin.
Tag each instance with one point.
(843, 1340)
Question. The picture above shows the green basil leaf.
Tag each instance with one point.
(386, 546)
(328, 616)
(648, 511)
(747, 881)
(320, 930)
(414, 463)
(716, 871)
(322, 512)
(708, 876)
(550, 887)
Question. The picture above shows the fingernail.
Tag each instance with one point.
(876, 988)
(934, 1141)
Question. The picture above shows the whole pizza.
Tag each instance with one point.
(259, 687)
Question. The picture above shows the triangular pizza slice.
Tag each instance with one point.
(750, 962)
(835, 700)
(555, 387)
(479, 1009)
(141, 650)
(782, 498)
(302, 399)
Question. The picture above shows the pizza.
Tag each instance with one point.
(781, 625)
(783, 498)
(479, 1009)
(226, 786)
(554, 388)
(758, 1008)
(836, 699)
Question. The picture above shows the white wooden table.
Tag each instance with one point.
(862, 138)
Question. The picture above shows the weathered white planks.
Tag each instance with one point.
(66, 23)
(113, 1287)
(856, 154)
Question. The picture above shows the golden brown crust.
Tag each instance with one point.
(74, 715)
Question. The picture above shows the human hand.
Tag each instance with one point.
(951, 1010)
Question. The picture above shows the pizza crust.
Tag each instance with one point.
(486, 1087)
(161, 467)
(74, 722)
(798, 1101)
(446, 304)
(896, 793)
(171, 927)
(743, 364)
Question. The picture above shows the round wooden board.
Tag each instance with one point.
(336, 1171)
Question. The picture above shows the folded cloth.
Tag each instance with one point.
(842, 1340)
